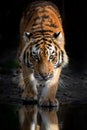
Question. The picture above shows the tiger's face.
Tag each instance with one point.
(43, 57)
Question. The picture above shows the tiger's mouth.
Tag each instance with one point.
(43, 77)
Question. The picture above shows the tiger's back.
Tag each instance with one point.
(41, 16)
(42, 52)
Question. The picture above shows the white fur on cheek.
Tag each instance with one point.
(35, 50)
(50, 50)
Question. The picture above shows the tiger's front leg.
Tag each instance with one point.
(48, 95)
(30, 90)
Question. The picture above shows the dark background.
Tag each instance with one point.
(74, 21)
(73, 89)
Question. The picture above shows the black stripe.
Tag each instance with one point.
(45, 16)
(37, 36)
(62, 56)
(35, 19)
(37, 44)
(52, 25)
(55, 48)
(27, 57)
(41, 33)
(47, 40)
(60, 63)
(44, 31)
(38, 40)
(55, 43)
(24, 56)
(49, 45)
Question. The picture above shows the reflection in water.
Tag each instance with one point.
(30, 117)
(34, 118)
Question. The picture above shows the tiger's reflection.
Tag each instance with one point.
(34, 118)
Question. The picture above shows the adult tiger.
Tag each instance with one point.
(42, 53)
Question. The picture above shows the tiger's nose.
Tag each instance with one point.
(45, 76)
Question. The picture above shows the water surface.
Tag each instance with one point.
(32, 117)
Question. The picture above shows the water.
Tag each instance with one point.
(29, 117)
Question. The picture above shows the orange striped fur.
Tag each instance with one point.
(42, 52)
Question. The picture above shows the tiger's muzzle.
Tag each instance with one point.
(43, 76)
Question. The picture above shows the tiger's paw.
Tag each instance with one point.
(28, 97)
(49, 102)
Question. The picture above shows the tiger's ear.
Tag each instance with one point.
(58, 36)
(26, 36)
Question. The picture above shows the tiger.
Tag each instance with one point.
(42, 53)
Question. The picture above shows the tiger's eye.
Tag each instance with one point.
(51, 57)
(33, 53)
(36, 57)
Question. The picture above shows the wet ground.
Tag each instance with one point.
(72, 96)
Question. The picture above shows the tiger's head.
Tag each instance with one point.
(43, 54)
